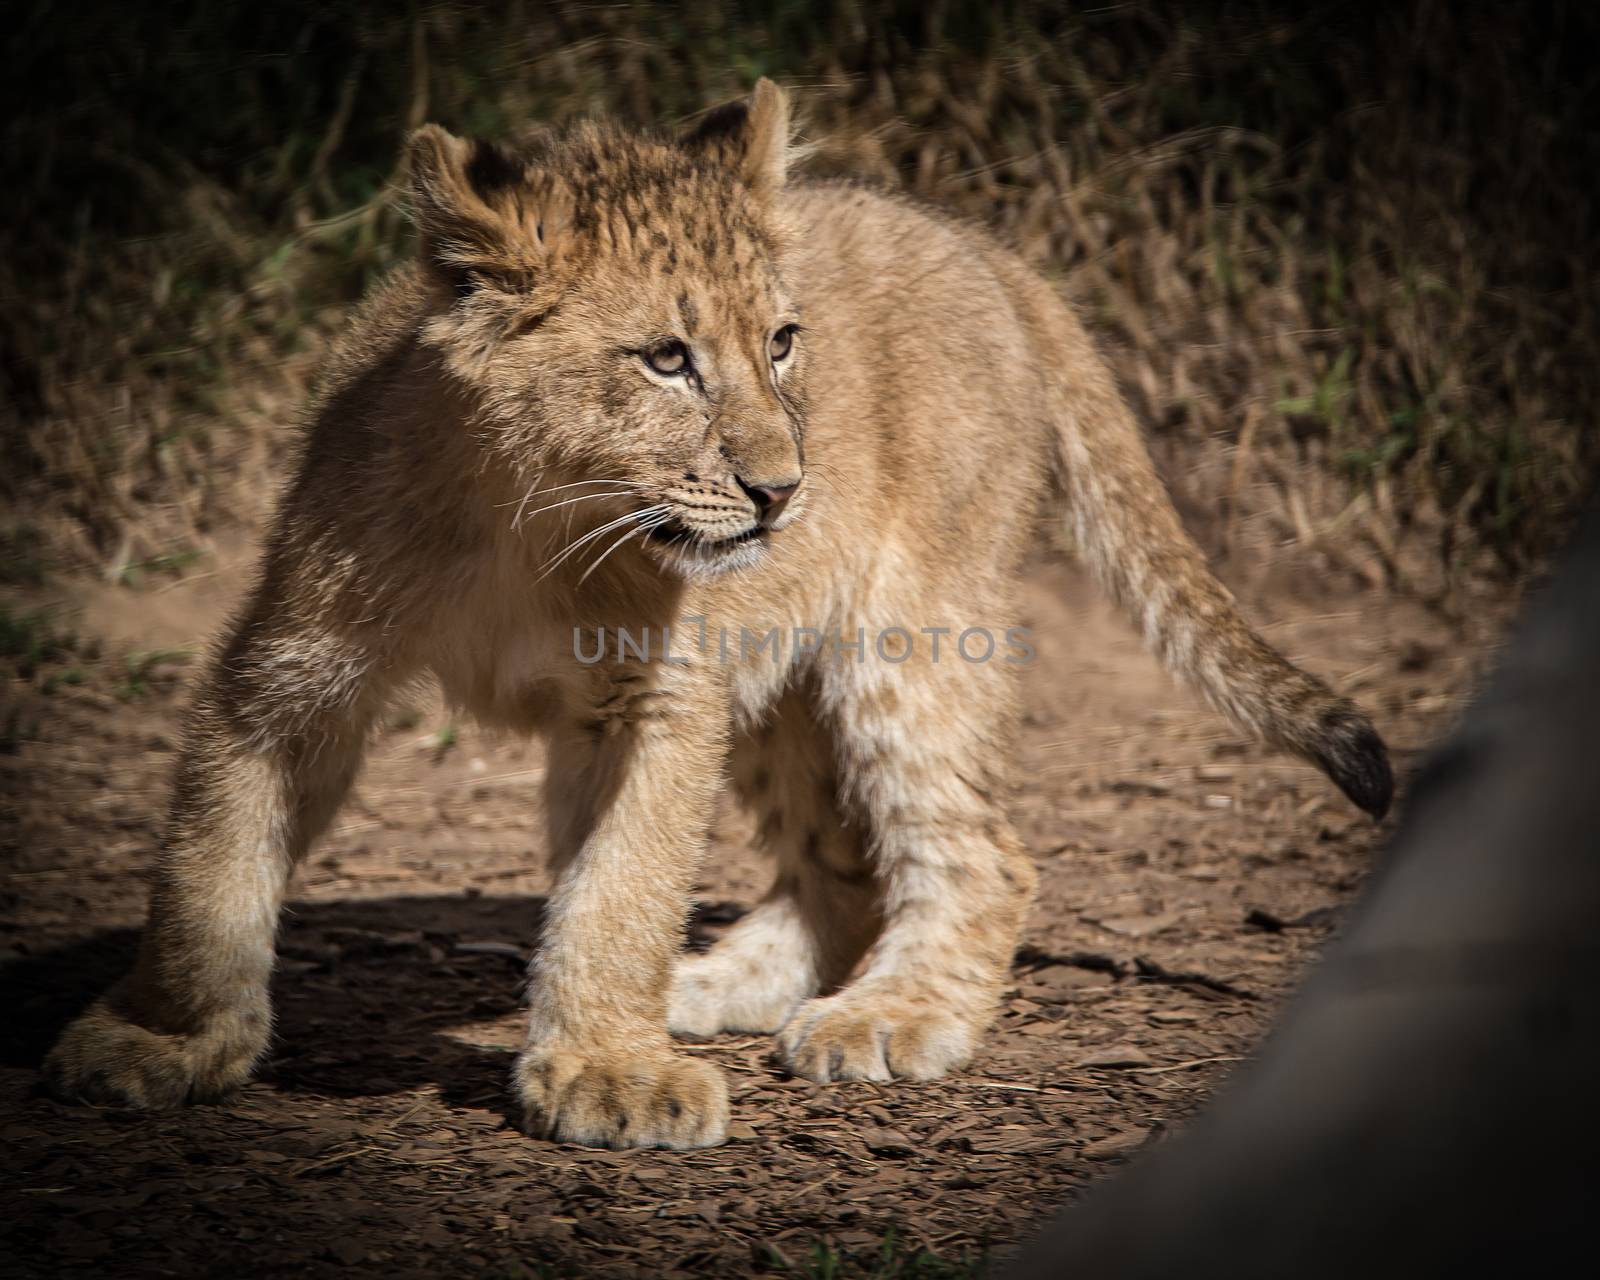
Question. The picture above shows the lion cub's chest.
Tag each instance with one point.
(515, 677)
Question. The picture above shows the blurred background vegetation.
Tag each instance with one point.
(1342, 257)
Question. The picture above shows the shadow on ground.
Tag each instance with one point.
(363, 994)
(364, 991)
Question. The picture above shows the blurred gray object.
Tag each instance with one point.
(1427, 1105)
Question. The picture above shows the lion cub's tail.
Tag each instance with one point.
(1128, 532)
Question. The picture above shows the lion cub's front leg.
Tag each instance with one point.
(267, 757)
(630, 796)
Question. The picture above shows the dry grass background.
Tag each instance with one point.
(1343, 259)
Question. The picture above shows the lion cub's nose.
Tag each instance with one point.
(770, 499)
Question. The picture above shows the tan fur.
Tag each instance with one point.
(486, 457)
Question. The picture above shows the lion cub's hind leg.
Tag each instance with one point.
(821, 913)
(925, 756)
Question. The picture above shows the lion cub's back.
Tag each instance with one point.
(930, 337)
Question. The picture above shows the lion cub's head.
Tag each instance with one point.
(616, 305)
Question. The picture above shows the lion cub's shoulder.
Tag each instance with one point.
(386, 318)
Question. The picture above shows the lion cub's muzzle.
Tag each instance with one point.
(725, 529)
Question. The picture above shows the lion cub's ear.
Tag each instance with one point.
(750, 134)
(484, 215)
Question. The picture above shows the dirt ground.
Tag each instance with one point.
(1188, 878)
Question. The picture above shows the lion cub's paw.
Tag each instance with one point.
(107, 1059)
(657, 1099)
(712, 993)
(864, 1033)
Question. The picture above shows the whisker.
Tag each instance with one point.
(567, 502)
(595, 533)
(534, 491)
(627, 534)
(593, 480)
(555, 563)
(516, 520)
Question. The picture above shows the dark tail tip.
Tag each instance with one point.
(1351, 753)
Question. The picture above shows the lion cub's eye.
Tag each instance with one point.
(781, 344)
(669, 357)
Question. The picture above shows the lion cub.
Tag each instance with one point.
(643, 384)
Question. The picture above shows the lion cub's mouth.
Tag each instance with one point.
(692, 554)
(674, 534)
